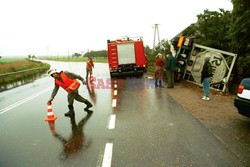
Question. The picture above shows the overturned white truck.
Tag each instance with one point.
(190, 60)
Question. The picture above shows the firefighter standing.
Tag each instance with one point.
(89, 68)
(68, 81)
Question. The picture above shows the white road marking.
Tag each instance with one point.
(23, 101)
(115, 92)
(112, 122)
(114, 102)
(115, 86)
(107, 155)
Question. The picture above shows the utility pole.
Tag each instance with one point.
(156, 31)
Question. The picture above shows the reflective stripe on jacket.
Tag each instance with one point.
(68, 84)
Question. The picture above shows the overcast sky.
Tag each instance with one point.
(56, 27)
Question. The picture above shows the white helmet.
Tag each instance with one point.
(50, 72)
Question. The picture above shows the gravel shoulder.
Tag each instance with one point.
(219, 115)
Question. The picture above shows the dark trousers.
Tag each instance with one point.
(74, 95)
(88, 73)
(170, 79)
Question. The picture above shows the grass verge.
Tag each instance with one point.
(17, 66)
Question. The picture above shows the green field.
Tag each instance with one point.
(9, 60)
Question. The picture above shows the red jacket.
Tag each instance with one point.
(159, 62)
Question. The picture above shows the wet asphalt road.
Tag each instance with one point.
(150, 128)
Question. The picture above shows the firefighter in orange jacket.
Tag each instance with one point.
(89, 68)
(68, 81)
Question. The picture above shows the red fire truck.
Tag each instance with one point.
(126, 56)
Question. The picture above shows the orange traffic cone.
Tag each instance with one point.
(52, 126)
(50, 114)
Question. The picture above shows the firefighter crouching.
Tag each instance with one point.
(68, 81)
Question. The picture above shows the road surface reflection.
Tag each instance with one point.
(91, 90)
(77, 140)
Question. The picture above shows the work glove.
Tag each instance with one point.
(83, 82)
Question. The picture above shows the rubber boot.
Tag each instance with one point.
(71, 112)
(89, 105)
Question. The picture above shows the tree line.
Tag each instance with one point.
(93, 54)
(226, 30)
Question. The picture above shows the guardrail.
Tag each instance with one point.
(19, 72)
